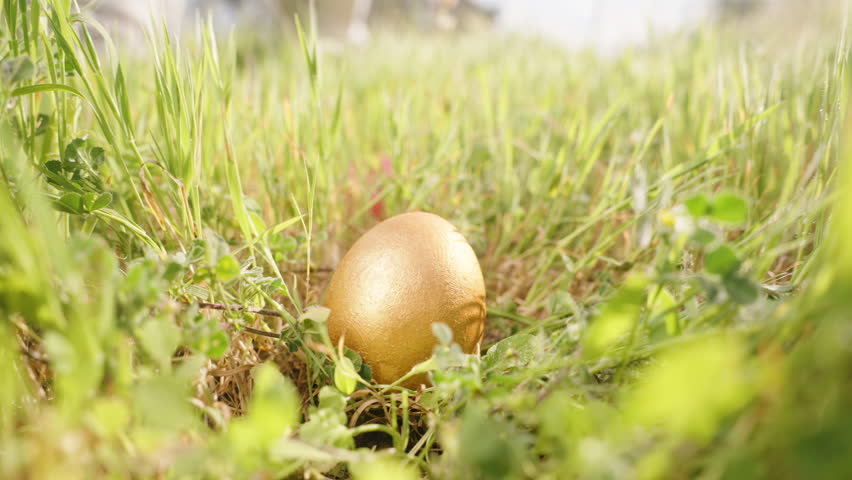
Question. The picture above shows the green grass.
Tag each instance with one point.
(668, 284)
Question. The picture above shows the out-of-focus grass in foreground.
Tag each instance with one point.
(663, 236)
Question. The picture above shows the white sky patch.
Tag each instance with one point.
(604, 24)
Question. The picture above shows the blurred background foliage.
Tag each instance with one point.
(662, 231)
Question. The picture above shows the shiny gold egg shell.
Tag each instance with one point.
(399, 278)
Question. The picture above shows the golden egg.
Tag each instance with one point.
(405, 274)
